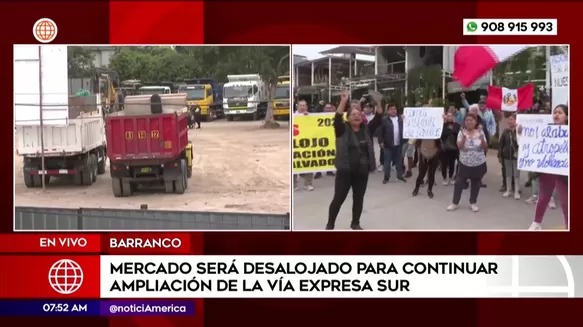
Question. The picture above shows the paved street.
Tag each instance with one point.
(391, 206)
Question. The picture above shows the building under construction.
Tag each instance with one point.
(324, 78)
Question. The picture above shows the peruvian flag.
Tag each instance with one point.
(472, 62)
(512, 100)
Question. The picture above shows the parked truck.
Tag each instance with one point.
(66, 133)
(149, 144)
(281, 103)
(245, 95)
(206, 93)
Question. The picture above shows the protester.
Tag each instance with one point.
(308, 178)
(354, 160)
(472, 144)
(428, 161)
(533, 183)
(458, 114)
(390, 136)
(549, 182)
(450, 151)
(508, 156)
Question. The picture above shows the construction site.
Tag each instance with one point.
(100, 154)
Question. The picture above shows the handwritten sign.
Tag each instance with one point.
(544, 148)
(532, 121)
(422, 123)
(560, 79)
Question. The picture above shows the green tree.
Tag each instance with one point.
(80, 62)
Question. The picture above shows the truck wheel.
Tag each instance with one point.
(126, 188)
(87, 172)
(256, 115)
(94, 169)
(28, 180)
(37, 180)
(181, 183)
(169, 186)
(101, 164)
(229, 117)
(47, 179)
(189, 172)
(116, 187)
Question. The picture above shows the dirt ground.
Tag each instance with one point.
(238, 167)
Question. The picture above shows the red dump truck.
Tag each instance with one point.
(146, 147)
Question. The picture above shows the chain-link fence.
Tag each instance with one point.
(95, 219)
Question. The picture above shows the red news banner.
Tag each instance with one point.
(29, 263)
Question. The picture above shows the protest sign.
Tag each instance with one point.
(560, 79)
(543, 148)
(314, 143)
(423, 123)
(531, 121)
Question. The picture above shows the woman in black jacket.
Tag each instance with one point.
(449, 149)
(354, 160)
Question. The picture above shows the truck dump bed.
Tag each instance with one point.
(146, 137)
(78, 136)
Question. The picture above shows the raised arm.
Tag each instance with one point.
(339, 125)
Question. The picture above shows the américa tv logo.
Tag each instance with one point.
(66, 276)
(45, 30)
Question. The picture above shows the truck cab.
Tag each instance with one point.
(281, 101)
(245, 95)
(206, 94)
(151, 90)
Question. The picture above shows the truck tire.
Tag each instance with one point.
(256, 115)
(189, 172)
(180, 184)
(93, 163)
(101, 164)
(126, 188)
(169, 186)
(229, 117)
(37, 180)
(28, 180)
(84, 175)
(116, 187)
(209, 118)
(87, 174)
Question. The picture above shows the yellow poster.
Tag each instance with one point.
(314, 143)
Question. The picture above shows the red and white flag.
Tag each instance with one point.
(472, 62)
(512, 100)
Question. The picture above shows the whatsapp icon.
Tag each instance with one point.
(471, 27)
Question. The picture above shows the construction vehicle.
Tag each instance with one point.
(149, 144)
(66, 135)
(245, 95)
(129, 87)
(206, 93)
(281, 103)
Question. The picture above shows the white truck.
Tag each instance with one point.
(63, 136)
(245, 95)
